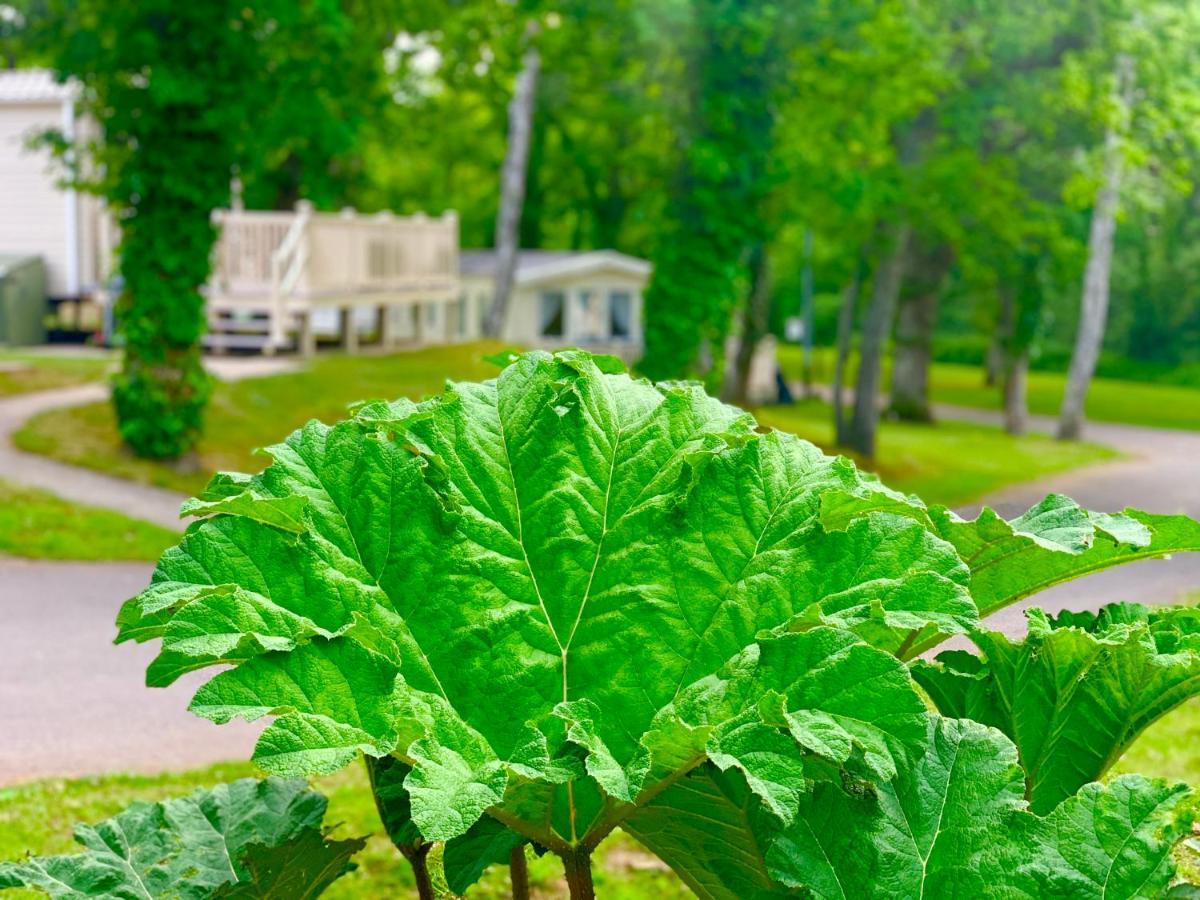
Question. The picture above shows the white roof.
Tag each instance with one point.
(534, 266)
(32, 86)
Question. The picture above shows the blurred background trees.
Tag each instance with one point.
(1011, 185)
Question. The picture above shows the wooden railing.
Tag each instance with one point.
(305, 255)
(248, 241)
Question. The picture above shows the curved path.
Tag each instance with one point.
(139, 501)
(1160, 474)
(71, 703)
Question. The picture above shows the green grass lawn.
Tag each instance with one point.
(246, 415)
(952, 463)
(38, 525)
(29, 370)
(1109, 400)
(39, 817)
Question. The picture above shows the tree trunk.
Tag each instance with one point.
(1016, 408)
(915, 324)
(530, 232)
(807, 314)
(911, 357)
(860, 434)
(845, 333)
(993, 362)
(755, 319)
(512, 181)
(1093, 312)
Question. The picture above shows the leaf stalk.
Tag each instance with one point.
(577, 864)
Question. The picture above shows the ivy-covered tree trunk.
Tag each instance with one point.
(184, 94)
(162, 389)
(877, 325)
(717, 206)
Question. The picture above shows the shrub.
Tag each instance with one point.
(566, 601)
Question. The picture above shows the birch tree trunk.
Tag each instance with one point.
(512, 181)
(860, 434)
(1093, 312)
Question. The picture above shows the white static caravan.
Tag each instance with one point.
(39, 217)
(561, 298)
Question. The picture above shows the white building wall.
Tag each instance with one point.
(35, 215)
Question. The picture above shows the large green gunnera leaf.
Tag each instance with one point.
(1076, 692)
(1054, 541)
(552, 595)
(251, 838)
(954, 824)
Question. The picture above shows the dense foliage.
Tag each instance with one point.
(565, 601)
(716, 213)
(946, 158)
(178, 93)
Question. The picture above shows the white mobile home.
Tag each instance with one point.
(561, 298)
(39, 217)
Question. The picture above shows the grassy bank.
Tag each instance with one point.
(954, 463)
(22, 371)
(38, 525)
(1109, 400)
(253, 413)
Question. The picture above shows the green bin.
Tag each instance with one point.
(22, 300)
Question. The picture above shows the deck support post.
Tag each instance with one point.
(384, 325)
(418, 317)
(348, 329)
(308, 337)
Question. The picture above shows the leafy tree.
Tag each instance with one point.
(184, 96)
(716, 212)
(1146, 109)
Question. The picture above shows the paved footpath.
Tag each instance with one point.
(139, 501)
(80, 485)
(1160, 474)
(71, 703)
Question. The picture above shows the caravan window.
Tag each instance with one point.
(552, 313)
(620, 314)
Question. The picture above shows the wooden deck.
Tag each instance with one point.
(273, 272)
